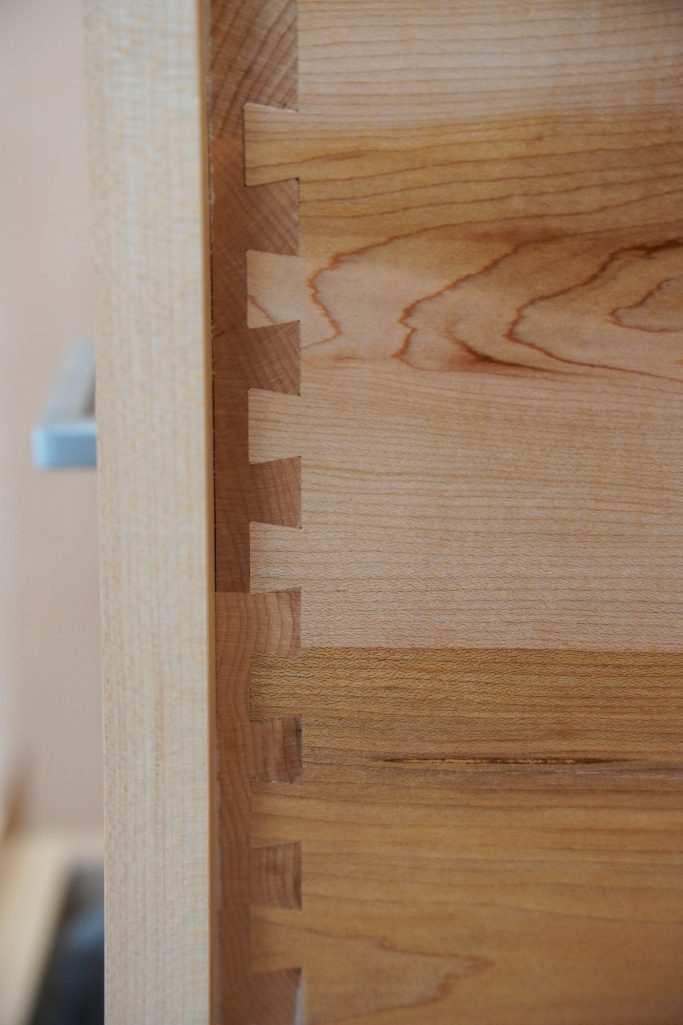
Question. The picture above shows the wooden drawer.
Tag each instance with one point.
(392, 587)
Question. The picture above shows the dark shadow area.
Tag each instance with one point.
(72, 992)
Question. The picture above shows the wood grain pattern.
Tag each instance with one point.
(488, 836)
(275, 876)
(252, 58)
(145, 76)
(251, 750)
(481, 451)
(538, 897)
(487, 285)
(447, 711)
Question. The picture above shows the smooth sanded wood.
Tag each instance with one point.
(489, 290)
(449, 710)
(487, 835)
(458, 795)
(520, 897)
(145, 78)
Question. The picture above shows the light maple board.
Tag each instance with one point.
(447, 292)
(147, 148)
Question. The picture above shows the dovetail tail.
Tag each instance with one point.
(276, 998)
(270, 749)
(276, 750)
(275, 493)
(275, 358)
(275, 876)
(280, 233)
(264, 124)
(265, 622)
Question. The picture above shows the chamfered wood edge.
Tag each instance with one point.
(145, 69)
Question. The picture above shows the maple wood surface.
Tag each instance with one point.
(145, 80)
(449, 769)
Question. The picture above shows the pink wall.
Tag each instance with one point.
(49, 645)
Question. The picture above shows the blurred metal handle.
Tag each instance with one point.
(65, 437)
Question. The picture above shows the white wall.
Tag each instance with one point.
(49, 644)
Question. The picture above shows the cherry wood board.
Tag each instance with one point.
(447, 297)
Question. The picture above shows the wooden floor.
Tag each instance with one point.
(448, 303)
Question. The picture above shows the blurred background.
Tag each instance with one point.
(50, 706)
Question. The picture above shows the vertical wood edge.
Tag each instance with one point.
(148, 157)
(203, 20)
(253, 58)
